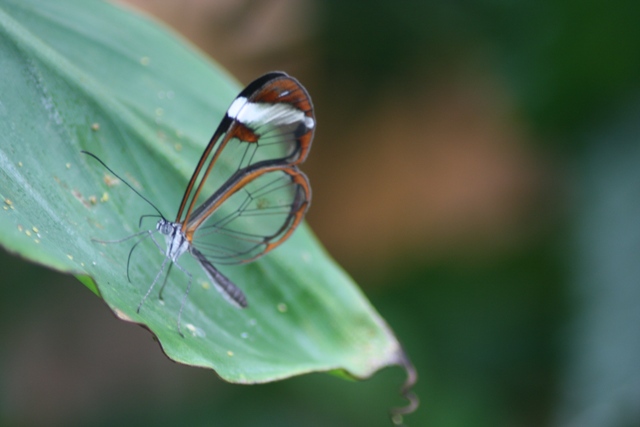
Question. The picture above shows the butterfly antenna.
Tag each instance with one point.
(120, 178)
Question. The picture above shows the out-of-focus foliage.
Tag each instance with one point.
(568, 62)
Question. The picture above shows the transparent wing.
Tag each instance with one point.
(270, 123)
(252, 215)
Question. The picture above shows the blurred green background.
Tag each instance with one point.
(476, 169)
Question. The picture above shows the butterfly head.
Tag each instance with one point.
(166, 227)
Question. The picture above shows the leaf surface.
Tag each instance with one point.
(86, 75)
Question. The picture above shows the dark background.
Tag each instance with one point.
(477, 171)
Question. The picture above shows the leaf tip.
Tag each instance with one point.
(406, 391)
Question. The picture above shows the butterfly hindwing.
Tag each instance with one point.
(255, 214)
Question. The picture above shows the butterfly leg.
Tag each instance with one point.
(124, 239)
(164, 283)
(184, 297)
(166, 277)
(152, 284)
(146, 234)
(156, 242)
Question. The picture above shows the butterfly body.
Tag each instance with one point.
(177, 242)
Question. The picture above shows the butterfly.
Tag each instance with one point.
(259, 195)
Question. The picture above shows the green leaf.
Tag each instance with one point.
(86, 75)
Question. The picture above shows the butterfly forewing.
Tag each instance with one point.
(256, 214)
(279, 112)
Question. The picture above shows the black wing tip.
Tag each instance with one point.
(261, 81)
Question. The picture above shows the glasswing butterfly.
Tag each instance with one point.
(260, 195)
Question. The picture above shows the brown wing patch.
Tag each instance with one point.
(243, 133)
